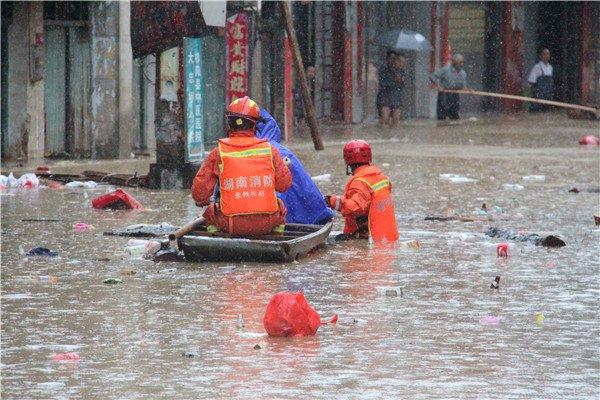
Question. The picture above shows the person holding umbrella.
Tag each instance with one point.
(391, 83)
(392, 76)
(453, 77)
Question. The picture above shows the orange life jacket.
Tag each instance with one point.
(247, 179)
(381, 220)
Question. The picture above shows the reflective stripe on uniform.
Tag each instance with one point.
(248, 153)
(382, 184)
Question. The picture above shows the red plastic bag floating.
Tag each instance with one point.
(589, 140)
(289, 314)
(65, 357)
(117, 200)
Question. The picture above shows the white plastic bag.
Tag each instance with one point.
(28, 180)
(321, 178)
(455, 178)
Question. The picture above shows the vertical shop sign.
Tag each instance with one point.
(194, 99)
(237, 57)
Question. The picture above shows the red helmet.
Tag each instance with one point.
(357, 152)
(244, 107)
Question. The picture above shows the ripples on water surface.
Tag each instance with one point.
(426, 344)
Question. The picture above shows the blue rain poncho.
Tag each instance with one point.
(304, 201)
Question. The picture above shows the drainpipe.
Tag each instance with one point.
(125, 91)
(587, 55)
(433, 35)
(512, 53)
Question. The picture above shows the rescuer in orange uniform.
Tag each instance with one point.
(249, 171)
(366, 204)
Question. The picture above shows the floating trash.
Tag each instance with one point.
(80, 226)
(550, 265)
(289, 314)
(79, 184)
(496, 283)
(490, 320)
(321, 178)
(411, 244)
(502, 250)
(455, 178)
(513, 186)
(46, 279)
(539, 318)
(112, 281)
(535, 178)
(74, 357)
(394, 291)
(41, 251)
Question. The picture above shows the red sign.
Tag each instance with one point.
(237, 56)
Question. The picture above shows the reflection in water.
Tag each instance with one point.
(427, 343)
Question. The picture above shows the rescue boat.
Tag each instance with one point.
(296, 241)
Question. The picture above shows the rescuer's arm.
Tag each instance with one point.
(205, 180)
(283, 176)
(355, 202)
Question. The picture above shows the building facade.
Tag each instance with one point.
(105, 79)
(70, 86)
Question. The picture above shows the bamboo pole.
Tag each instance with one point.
(596, 111)
(306, 100)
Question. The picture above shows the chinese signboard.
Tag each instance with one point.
(159, 25)
(237, 57)
(194, 99)
(249, 187)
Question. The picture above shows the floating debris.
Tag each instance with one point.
(502, 250)
(74, 357)
(490, 320)
(112, 281)
(539, 318)
(144, 230)
(511, 234)
(455, 178)
(534, 178)
(496, 283)
(513, 186)
(41, 251)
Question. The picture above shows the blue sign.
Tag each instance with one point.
(194, 99)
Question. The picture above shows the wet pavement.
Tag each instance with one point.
(430, 342)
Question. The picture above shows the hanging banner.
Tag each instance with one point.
(237, 57)
(194, 99)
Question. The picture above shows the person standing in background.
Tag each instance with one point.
(453, 77)
(391, 83)
(542, 80)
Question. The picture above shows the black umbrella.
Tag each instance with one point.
(402, 39)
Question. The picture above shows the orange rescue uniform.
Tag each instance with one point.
(367, 205)
(249, 172)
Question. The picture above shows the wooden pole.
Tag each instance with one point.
(309, 108)
(523, 98)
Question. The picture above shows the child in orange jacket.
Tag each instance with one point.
(366, 204)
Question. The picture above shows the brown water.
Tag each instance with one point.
(428, 343)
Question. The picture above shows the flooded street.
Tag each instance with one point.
(426, 343)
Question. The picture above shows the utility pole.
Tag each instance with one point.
(309, 108)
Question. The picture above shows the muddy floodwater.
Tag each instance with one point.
(428, 341)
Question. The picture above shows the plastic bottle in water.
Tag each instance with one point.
(240, 322)
(411, 244)
(141, 248)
